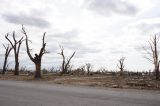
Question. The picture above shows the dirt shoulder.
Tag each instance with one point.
(92, 81)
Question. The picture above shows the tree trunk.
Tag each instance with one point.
(65, 71)
(157, 75)
(38, 70)
(88, 72)
(16, 72)
(157, 72)
(121, 71)
(4, 66)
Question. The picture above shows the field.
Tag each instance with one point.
(95, 80)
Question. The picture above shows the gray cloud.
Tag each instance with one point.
(140, 48)
(82, 49)
(67, 39)
(146, 28)
(109, 7)
(70, 40)
(26, 20)
(1, 54)
(67, 35)
(146, 46)
(70, 43)
(116, 51)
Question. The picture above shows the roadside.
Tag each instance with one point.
(91, 81)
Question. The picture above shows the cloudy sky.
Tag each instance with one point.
(100, 31)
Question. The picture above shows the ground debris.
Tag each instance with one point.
(93, 81)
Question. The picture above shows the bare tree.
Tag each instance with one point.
(153, 54)
(38, 57)
(66, 62)
(121, 65)
(82, 68)
(16, 47)
(7, 52)
(88, 68)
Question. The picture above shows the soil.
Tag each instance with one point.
(93, 81)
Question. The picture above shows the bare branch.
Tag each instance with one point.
(4, 46)
(68, 60)
(27, 46)
(43, 51)
(7, 52)
(149, 59)
(15, 41)
(9, 40)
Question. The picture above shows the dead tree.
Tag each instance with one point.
(66, 62)
(153, 54)
(82, 69)
(88, 68)
(121, 65)
(16, 47)
(7, 52)
(38, 57)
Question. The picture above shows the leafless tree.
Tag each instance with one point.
(66, 62)
(82, 68)
(16, 47)
(88, 68)
(38, 57)
(121, 65)
(153, 54)
(7, 52)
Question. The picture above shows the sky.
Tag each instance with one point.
(100, 31)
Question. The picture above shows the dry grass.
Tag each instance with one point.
(94, 81)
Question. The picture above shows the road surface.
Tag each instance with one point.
(17, 93)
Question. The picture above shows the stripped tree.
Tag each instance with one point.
(8, 49)
(88, 68)
(153, 54)
(66, 62)
(16, 44)
(120, 65)
(38, 57)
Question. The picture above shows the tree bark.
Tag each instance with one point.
(16, 72)
(65, 71)
(157, 72)
(157, 75)
(8, 50)
(38, 70)
(4, 66)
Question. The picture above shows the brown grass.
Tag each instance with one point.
(94, 81)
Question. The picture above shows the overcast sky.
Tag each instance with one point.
(100, 31)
